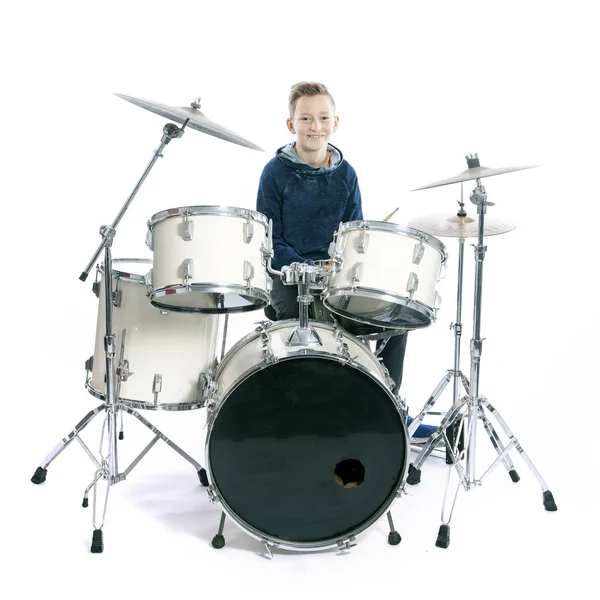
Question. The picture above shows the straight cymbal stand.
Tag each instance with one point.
(456, 373)
(107, 467)
(473, 407)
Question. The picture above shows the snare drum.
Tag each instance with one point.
(159, 356)
(306, 445)
(209, 259)
(387, 277)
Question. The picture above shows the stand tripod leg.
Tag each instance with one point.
(437, 392)
(498, 446)
(202, 476)
(40, 474)
(548, 498)
(414, 469)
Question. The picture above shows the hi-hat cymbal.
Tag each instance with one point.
(195, 119)
(476, 172)
(445, 225)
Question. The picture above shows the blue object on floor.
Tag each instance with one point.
(423, 431)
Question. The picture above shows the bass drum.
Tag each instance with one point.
(306, 445)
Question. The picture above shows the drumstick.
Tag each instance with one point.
(391, 214)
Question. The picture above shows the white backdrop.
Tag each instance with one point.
(416, 89)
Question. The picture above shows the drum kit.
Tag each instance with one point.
(307, 445)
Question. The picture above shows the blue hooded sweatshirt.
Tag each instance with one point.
(306, 204)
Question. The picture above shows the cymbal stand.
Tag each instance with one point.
(107, 467)
(473, 406)
(455, 373)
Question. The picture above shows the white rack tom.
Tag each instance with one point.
(209, 259)
(385, 275)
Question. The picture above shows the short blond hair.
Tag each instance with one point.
(307, 88)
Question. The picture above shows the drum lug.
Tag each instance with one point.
(117, 297)
(356, 273)
(96, 288)
(413, 284)
(337, 256)
(213, 495)
(89, 364)
(188, 229)
(342, 347)
(363, 242)
(418, 252)
(347, 543)
(150, 239)
(207, 387)
(265, 254)
(248, 272)
(437, 301)
(248, 231)
(123, 371)
(269, 357)
(156, 386)
(148, 278)
(188, 268)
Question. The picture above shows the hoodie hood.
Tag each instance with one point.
(288, 156)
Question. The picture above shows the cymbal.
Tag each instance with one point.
(195, 119)
(474, 173)
(445, 225)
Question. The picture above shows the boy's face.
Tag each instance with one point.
(314, 122)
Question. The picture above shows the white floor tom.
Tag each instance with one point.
(159, 356)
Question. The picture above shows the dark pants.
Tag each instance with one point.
(284, 305)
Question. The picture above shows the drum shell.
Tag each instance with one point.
(219, 250)
(175, 346)
(387, 262)
(247, 358)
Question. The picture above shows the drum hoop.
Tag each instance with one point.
(141, 405)
(384, 295)
(262, 296)
(417, 234)
(225, 211)
(125, 275)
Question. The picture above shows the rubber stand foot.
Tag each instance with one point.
(121, 435)
(85, 502)
(97, 542)
(414, 475)
(394, 538)
(39, 476)
(514, 476)
(218, 541)
(549, 503)
(443, 538)
(203, 477)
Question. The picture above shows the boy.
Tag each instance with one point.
(307, 190)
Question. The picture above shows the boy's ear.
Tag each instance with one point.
(290, 126)
(336, 121)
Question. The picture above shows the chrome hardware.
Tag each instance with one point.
(418, 252)
(347, 543)
(265, 254)
(342, 347)
(269, 284)
(213, 496)
(149, 239)
(156, 386)
(437, 301)
(248, 272)
(363, 242)
(412, 284)
(188, 229)
(89, 364)
(304, 336)
(117, 297)
(96, 288)
(207, 386)
(123, 371)
(269, 357)
(248, 232)
(148, 278)
(356, 273)
(188, 268)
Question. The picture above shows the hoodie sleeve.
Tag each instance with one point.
(353, 210)
(269, 203)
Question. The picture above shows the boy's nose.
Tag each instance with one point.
(315, 125)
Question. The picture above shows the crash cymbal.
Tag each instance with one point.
(445, 225)
(195, 119)
(475, 171)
